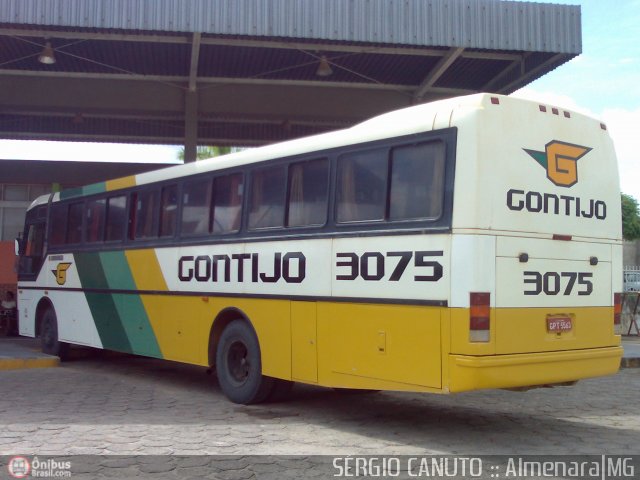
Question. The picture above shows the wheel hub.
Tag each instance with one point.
(238, 362)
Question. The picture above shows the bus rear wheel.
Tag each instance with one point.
(239, 366)
(49, 341)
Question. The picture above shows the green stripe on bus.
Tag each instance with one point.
(103, 309)
(70, 193)
(131, 311)
(99, 187)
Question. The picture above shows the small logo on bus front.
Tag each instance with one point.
(61, 273)
(560, 160)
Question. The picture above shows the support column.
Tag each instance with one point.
(190, 126)
(191, 104)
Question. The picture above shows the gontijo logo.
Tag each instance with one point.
(61, 272)
(560, 160)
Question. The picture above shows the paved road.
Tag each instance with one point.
(113, 404)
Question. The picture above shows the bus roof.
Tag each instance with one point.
(406, 121)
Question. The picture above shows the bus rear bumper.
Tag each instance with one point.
(530, 369)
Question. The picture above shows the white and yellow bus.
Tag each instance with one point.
(464, 244)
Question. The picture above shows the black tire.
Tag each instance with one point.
(281, 390)
(239, 365)
(49, 341)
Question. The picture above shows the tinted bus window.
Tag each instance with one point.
(267, 198)
(31, 260)
(96, 210)
(417, 181)
(196, 200)
(146, 219)
(308, 187)
(116, 218)
(362, 186)
(168, 211)
(58, 224)
(74, 223)
(227, 203)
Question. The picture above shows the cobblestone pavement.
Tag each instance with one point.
(115, 404)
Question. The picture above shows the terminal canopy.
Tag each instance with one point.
(250, 72)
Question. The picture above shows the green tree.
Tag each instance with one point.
(630, 217)
(203, 152)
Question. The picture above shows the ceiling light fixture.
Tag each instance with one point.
(324, 69)
(47, 56)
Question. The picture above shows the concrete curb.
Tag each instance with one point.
(17, 353)
(22, 363)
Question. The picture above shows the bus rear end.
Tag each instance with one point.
(537, 249)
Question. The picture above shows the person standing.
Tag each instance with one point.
(8, 313)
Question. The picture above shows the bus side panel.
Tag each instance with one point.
(75, 321)
(181, 326)
(271, 320)
(304, 342)
(183, 323)
(394, 343)
(27, 303)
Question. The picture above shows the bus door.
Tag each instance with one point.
(32, 245)
(31, 251)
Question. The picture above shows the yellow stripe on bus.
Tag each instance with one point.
(146, 270)
(118, 183)
(147, 275)
(182, 325)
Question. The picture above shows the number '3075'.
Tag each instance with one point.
(558, 283)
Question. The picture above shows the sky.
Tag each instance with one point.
(604, 82)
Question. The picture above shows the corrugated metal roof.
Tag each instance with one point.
(272, 63)
(124, 70)
(97, 56)
(471, 73)
(487, 24)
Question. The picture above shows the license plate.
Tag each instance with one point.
(559, 324)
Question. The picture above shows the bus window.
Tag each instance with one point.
(58, 224)
(74, 223)
(146, 223)
(168, 211)
(95, 219)
(417, 181)
(227, 203)
(362, 186)
(308, 187)
(31, 260)
(116, 215)
(267, 198)
(196, 200)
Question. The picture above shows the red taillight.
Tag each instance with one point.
(479, 323)
(617, 313)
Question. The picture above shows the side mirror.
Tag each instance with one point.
(18, 245)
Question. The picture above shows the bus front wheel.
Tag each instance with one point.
(49, 341)
(239, 366)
